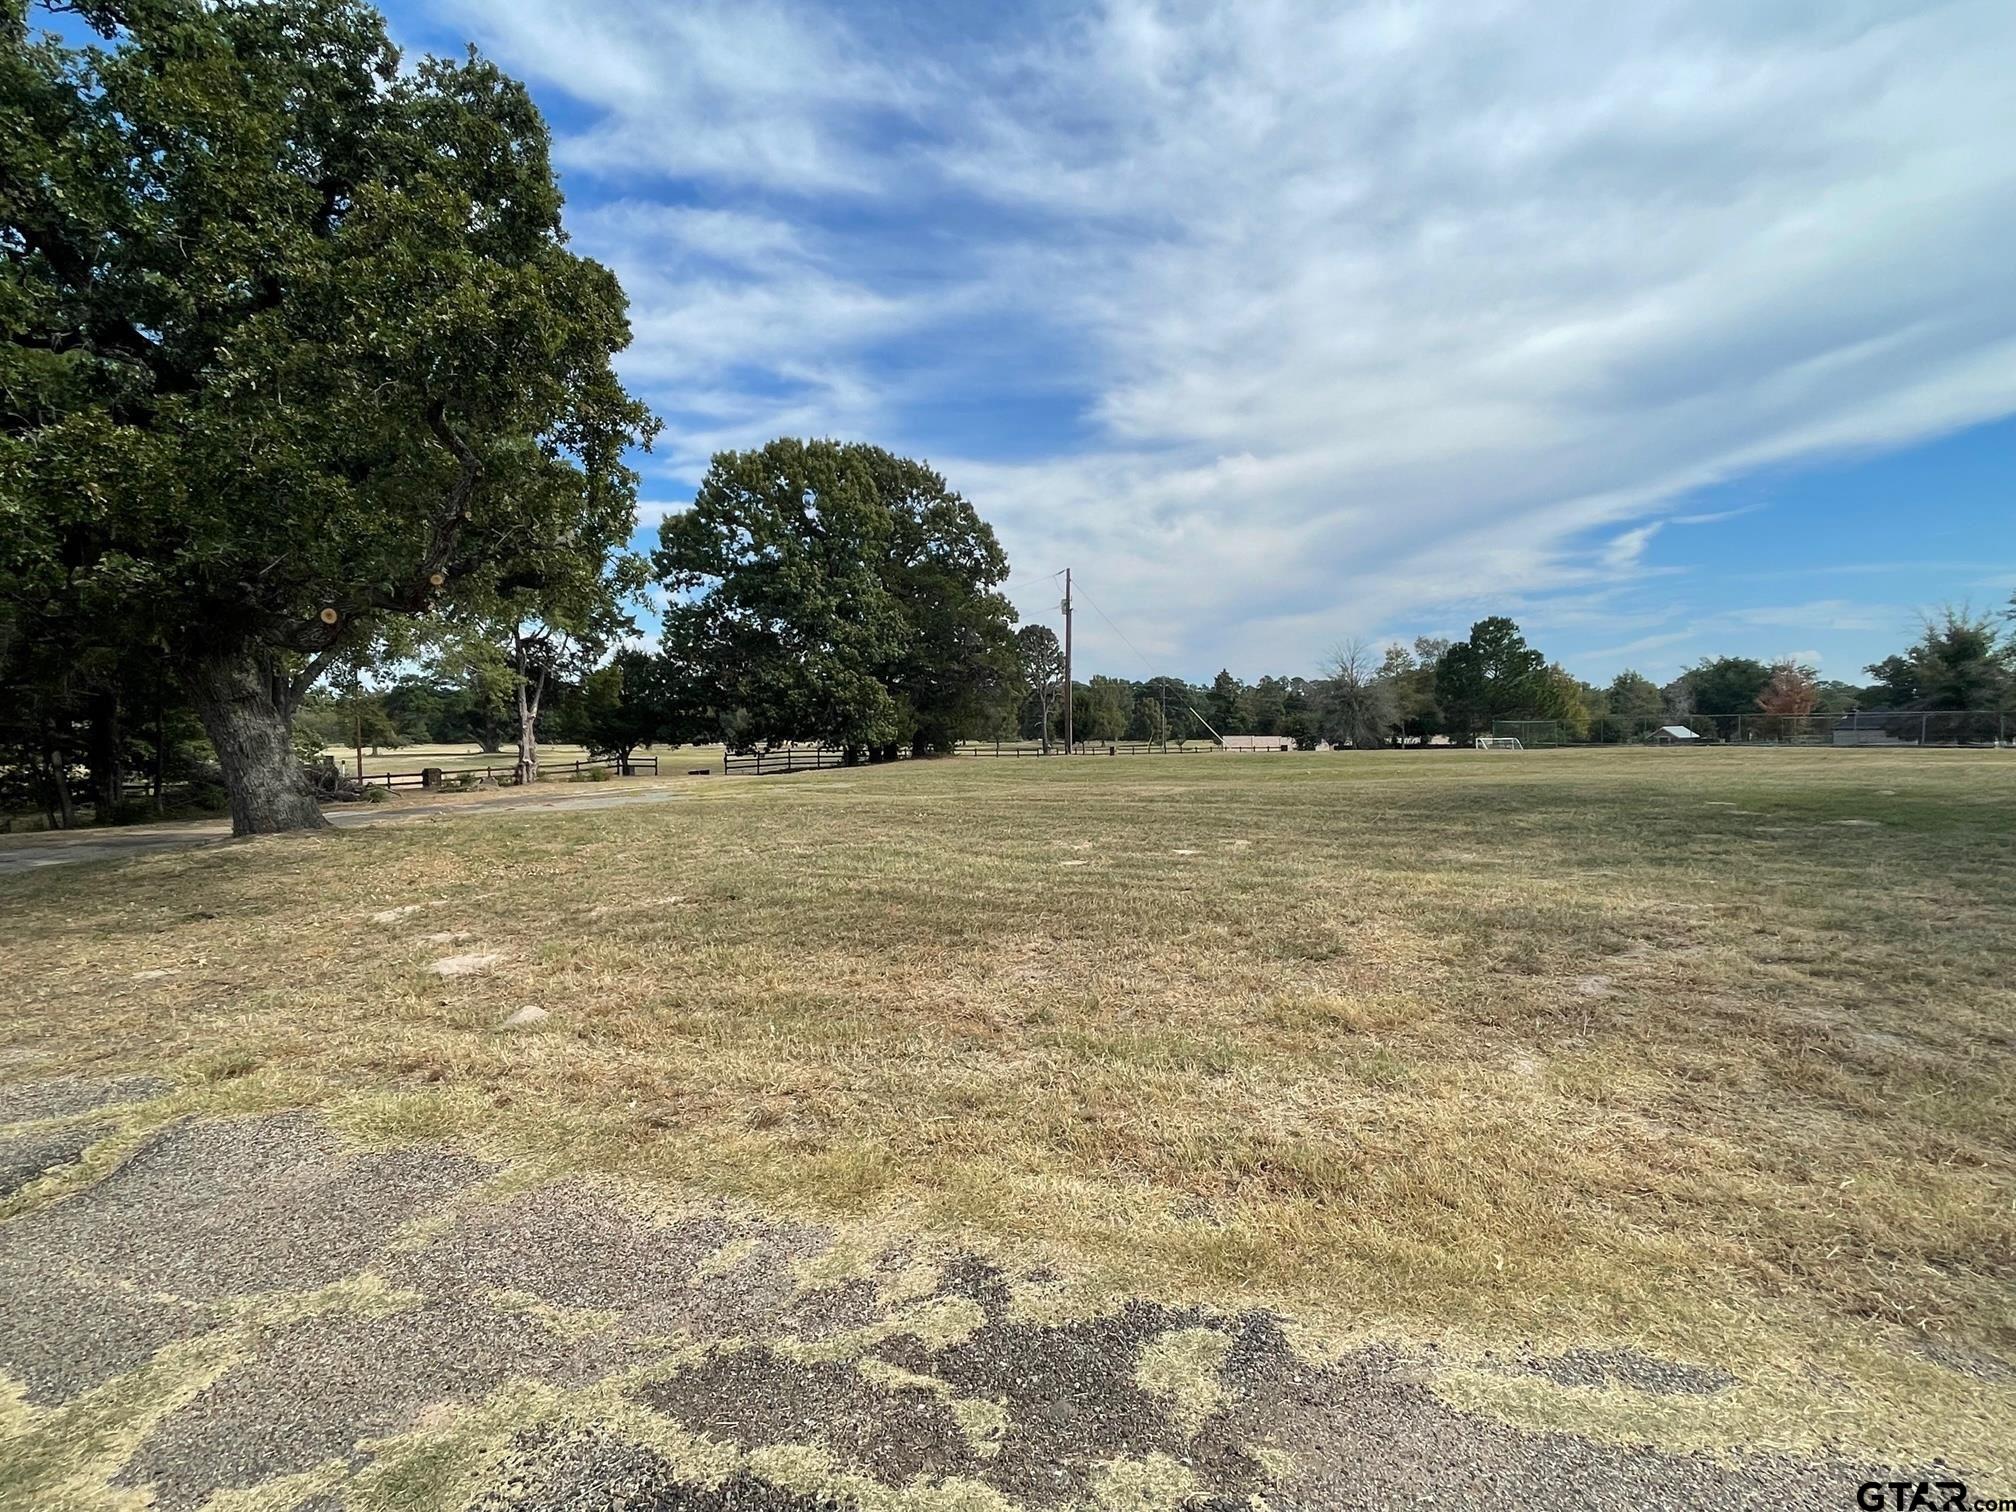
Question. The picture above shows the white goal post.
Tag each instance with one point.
(1499, 743)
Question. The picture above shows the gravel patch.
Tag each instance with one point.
(319, 1386)
(572, 1244)
(62, 1335)
(753, 1397)
(566, 1286)
(30, 1101)
(570, 1471)
(28, 1154)
(216, 1210)
(1629, 1367)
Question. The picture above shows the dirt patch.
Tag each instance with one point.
(403, 911)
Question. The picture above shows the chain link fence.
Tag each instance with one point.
(1869, 727)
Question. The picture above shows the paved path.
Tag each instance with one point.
(62, 847)
(258, 1306)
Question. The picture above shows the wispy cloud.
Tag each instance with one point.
(1362, 312)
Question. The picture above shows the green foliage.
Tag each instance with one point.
(1109, 705)
(1410, 676)
(838, 593)
(1633, 699)
(1727, 685)
(1224, 704)
(1896, 683)
(1558, 694)
(478, 668)
(1492, 675)
(346, 718)
(638, 699)
(292, 346)
(1961, 662)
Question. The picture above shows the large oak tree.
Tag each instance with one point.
(838, 593)
(291, 346)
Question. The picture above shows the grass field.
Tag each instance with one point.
(1704, 1053)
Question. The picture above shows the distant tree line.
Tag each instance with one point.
(1436, 690)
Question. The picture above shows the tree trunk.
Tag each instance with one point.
(160, 740)
(530, 691)
(528, 734)
(56, 768)
(106, 756)
(252, 728)
(528, 747)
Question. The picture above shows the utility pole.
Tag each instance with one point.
(1067, 662)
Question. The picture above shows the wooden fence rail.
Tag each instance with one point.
(636, 766)
(1085, 748)
(790, 759)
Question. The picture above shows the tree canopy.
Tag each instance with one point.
(292, 347)
(839, 593)
(1726, 685)
(1493, 674)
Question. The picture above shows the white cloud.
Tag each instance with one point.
(1426, 302)
(736, 91)
(1373, 311)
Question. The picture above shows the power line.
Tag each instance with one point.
(1146, 665)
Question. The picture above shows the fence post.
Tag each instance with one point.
(1923, 721)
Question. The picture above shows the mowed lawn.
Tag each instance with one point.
(1705, 1053)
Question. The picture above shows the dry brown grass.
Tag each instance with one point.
(1634, 1047)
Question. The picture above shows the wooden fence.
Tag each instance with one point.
(1085, 748)
(820, 758)
(636, 766)
(789, 759)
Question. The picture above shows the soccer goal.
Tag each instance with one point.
(1499, 743)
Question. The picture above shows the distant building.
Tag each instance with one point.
(1255, 743)
(1672, 735)
(1878, 727)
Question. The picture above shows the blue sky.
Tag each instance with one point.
(1676, 328)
